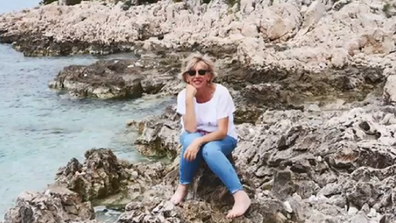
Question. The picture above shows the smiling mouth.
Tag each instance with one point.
(197, 81)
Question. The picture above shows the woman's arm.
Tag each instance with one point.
(185, 107)
(220, 134)
(189, 119)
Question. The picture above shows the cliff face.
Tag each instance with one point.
(312, 35)
(75, 2)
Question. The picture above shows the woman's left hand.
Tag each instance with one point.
(192, 150)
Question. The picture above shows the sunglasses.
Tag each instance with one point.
(193, 72)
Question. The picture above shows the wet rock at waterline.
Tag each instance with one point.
(117, 78)
(254, 90)
(298, 166)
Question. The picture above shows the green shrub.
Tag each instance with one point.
(141, 2)
(73, 2)
(387, 10)
(127, 4)
(46, 2)
(231, 4)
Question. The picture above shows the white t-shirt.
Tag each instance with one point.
(220, 106)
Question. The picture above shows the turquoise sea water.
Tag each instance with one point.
(41, 130)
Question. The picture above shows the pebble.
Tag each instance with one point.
(288, 207)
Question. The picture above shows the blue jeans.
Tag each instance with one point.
(214, 154)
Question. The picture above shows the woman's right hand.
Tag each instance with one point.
(190, 91)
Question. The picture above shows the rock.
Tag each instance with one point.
(363, 189)
(56, 204)
(101, 175)
(72, 2)
(278, 88)
(246, 112)
(158, 134)
(112, 79)
(312, 16)
(116, 78)
(390, 90)
(283, 184)
(313, 108)
(359, 218)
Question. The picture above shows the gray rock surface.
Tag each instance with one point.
(56, 204)
(99, 176)
(117, 78)
(324, 164)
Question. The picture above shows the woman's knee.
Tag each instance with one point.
(187, 138)
(211, 150)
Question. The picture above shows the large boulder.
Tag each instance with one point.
(99, 176)
(106, 79)
(158, 134)
(56, 204)
(118, 78)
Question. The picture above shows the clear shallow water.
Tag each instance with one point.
(41, 130)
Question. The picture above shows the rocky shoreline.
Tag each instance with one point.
(311, 162)
(313, 81)
(315, 165)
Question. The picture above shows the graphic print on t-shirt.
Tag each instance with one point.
(207, 118)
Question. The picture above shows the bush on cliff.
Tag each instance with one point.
(66, 2)
(129, 3)
(46, 2)
(229, 2)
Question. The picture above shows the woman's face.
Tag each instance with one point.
(198, 76)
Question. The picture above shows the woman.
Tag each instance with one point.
(208, 131)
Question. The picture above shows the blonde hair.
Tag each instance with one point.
(192, 60)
